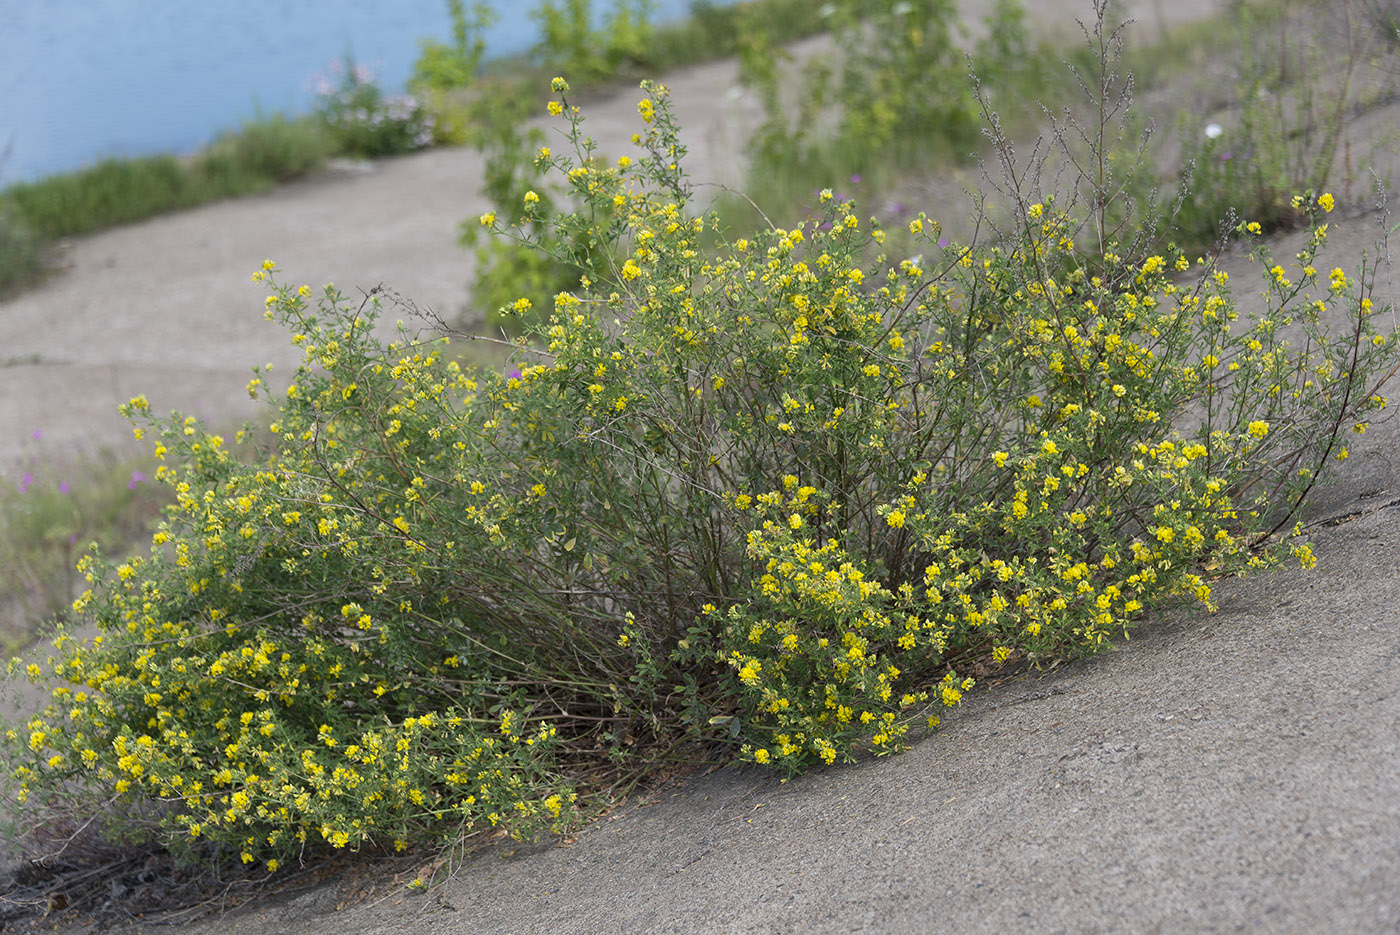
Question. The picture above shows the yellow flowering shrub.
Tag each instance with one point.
(781, 493)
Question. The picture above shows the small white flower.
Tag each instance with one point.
(1213, 130)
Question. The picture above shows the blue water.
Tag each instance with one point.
(85, 79)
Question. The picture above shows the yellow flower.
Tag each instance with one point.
(1327, 202)
(760, 755)
(644, 107)
(1259, 428)
(555, 108)
(895, 519)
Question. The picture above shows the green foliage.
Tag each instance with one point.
(715, 30)
(362, 120)
(512, 278)
(1300, 72)
(51, 509)
(259, 155)
(444, 68)
(630, 36)
(784, 495)
(20, 255)
(114, 191)
(569, 42)
(892, 98)
(572, 44)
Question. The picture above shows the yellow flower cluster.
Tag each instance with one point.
(787, 488)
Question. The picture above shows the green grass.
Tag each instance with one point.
(52, 507)
(713, 31)
(21, 254)
(119, 191)
(252, 159)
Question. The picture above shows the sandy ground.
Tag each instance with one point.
(1237, 772)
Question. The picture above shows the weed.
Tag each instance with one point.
(261, 154)
(363, 121)
(1278, 122)
(54, 506)
(891, 98)
(446, 68)
(779, 494)
(118, 191)
(20, 254)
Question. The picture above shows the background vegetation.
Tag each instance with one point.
(773, 492)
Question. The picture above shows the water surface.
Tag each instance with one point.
(84, 79)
